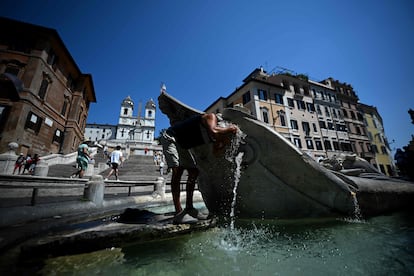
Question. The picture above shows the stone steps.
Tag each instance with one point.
(136, 167)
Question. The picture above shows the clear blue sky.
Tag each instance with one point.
(204, 49)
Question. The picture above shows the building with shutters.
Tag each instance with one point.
(44, 96)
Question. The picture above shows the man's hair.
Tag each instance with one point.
(118, 147)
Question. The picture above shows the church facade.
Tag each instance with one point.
(134, 133)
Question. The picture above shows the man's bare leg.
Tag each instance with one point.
(190, 185)
(177, 172)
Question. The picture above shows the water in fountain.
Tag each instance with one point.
(235, 157)
(381, 246)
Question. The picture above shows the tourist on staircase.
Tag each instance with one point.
(116, 161)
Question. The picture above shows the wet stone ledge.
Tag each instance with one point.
(107, 235)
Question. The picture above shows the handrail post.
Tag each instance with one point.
(159, 188)
(95, 189)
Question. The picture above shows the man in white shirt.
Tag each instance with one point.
(116, 161)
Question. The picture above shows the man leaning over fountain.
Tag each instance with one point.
(177, 142)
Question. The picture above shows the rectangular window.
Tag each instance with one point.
(43, 88)
(331, 126)
(301, 105)
(246, 97)
(309, 144)
(327, 145)
(318, 109)
(318, 144)
(64, 107)
(315, 129)
(352, 115)
(341, 127)
(383, 149)
(297, 142)
(306, 128)
(310, 107)
(327, 114)
(265, 116)
(322, 124)
(262, 94)
(278, 99)
(335, 145)
(294, 124)
(33, 122)
(290, 102)
(58, 136)
(282, 120)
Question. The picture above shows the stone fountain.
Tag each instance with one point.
(280, 181)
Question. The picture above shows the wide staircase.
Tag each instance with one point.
(136, 167)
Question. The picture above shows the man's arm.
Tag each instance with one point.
(221, 135)
(210, 121)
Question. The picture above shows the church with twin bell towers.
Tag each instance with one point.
(134, 132)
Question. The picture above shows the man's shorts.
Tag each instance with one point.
(114, 165)
(176, 156)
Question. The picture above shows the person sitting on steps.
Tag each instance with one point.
(177, 142)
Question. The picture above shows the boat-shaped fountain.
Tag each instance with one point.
(280, 181)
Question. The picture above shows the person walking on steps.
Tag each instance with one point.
(116, 161)
(19, 163)
(82, 159)
(177, 142)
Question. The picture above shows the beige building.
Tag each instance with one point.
(353, 117)
(262, 97)
(330, 119)
(44, 96)
(382, 154)
(282, 101)
(323, 119)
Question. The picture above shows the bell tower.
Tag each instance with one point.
(126, 112)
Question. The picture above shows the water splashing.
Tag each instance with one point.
(357, 210)
(235, 157)
(238, 159)
(357, 216)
